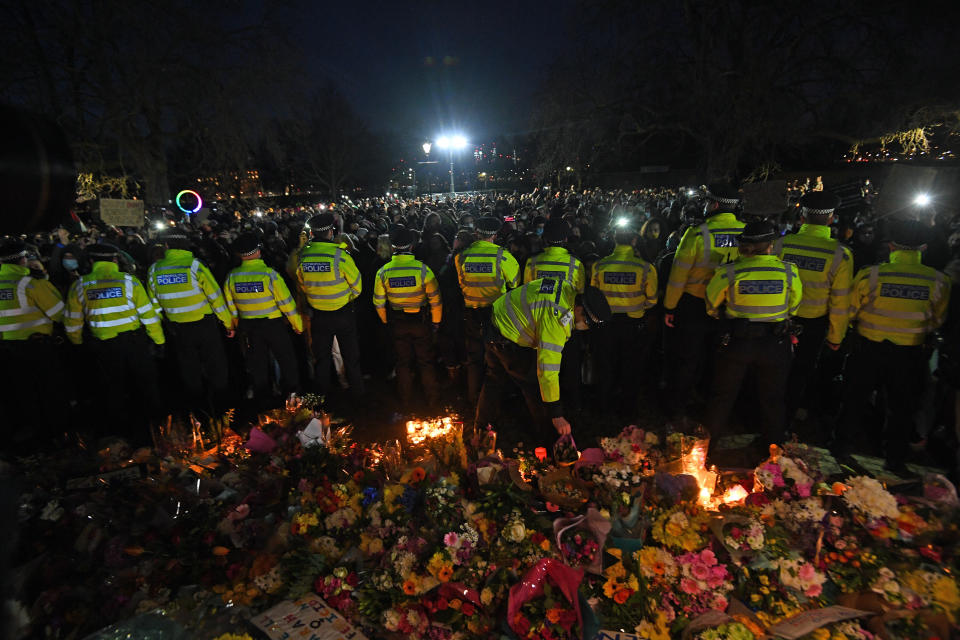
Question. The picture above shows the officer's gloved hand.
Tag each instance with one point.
(158, 351)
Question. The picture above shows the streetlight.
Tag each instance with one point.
(451, 143)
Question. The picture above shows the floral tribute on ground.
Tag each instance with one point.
(425, 540)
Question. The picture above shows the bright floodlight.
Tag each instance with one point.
(158, 225)
(622, 222)
(426, 147)
(922, 199)
(452, 142)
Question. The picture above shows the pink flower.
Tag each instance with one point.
(700, 571)
(239, 512)
(813, 590)
(708, 557)
(803, 490)
(806, 572)
(451, 539)
(689, 587)
(719, 603)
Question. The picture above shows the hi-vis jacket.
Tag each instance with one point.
(328, 276)
(539, 315)
(628, 282)
(556, 262)
(900, 301)
(28, 305)
(826, 268)
(702, 249)
(485, 271)
(254, 290)
(407, 284)
(759, 288)
(185, 289)
(111, 303)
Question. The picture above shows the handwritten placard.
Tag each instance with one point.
(308, 618)
(121, 213)
(808, 621)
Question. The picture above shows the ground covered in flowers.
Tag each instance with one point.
(439, 540)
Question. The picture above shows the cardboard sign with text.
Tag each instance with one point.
(308, 618)
(121, 213)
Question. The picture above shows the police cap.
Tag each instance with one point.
(555, 231)
(174, 236)
(12, 250)
(723, 193)
(758, 231)
(403, 239)
(488, 225)
(247, 244)
(320, 223)
(595, 306)
(102, 252)
(906, 233)
(819, 202)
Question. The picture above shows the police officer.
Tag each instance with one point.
(485, 272)
(29, 307)
(257, 297)
(895, 306)
(529, 326)
(702, 249)
(756, 294)
(407, 298)
(826, 269)
(555, 260)
(192, 302)
(629, 284)
(121, 319)
(330, 282)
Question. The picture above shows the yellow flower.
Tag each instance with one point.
(633, 583)
(455, 604)
(821, 634)
(765, 580)
(615, 571)
(610, 587)
(486, 596)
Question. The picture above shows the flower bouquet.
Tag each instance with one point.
(633, 447)
(565, 452)
(628, 601)
(546, 605)
(580, 539)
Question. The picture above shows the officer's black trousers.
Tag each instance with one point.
(201, 359)
(807, 386)
(571, 374)
(690, 343)
(413, 346)
(129, 396)
(342, 325)
(899, 373)
(767, 358)
(263, 338)
(620, 354)
(474, 323)
(32, 392)
(510, 363)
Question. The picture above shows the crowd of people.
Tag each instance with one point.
(678, 302)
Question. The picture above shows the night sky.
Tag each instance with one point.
(421, 68)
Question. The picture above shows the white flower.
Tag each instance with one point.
(868, 497)
(391, 620)
(515, 531)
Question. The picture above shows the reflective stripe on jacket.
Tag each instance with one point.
(758, 288)
(555, 262)
(254, 290)
(900, 301)
(539, 315)
(702, 249)
(407, 285)
(110, 302)
(328, 276)
(485, 271)
(28, 305)
(826, 268)
(185, 289)
(628, 282)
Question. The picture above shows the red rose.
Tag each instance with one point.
(442, 604)
(468, 609)
(352, 579)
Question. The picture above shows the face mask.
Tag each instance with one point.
(539, 231)
(70, 264)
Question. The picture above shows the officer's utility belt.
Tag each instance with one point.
(743, 328)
